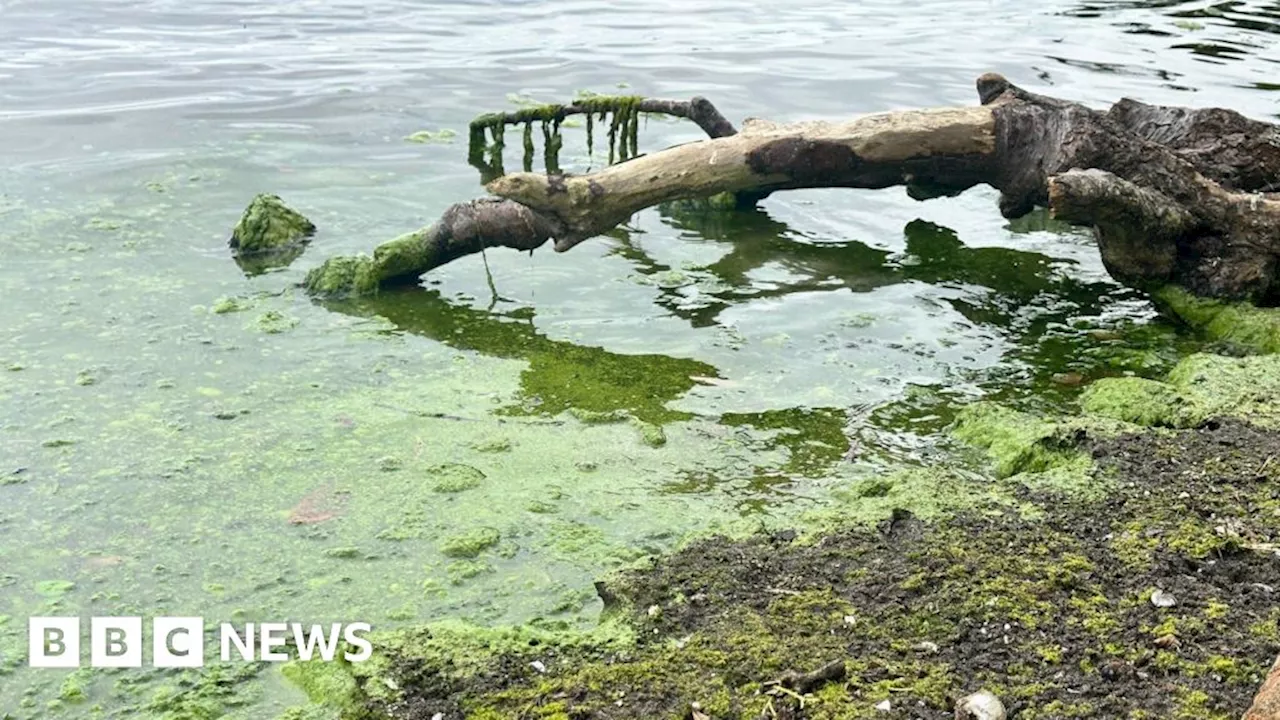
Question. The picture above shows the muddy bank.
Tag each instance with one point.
(1127, 572)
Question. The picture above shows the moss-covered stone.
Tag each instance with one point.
(268, 225)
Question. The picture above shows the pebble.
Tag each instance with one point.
(981, 705)
(884, 706)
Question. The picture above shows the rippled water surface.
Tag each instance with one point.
(288, 460)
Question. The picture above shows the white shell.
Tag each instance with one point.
(981, 705)
(1162, 599)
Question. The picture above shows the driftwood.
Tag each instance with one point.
(1176, 196)
(1266, 704)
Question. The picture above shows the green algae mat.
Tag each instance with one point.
(462, 477)
(1102, 568)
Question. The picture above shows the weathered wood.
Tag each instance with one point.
(1173, 200)
(1225, 146)
(1137, 229)
(1266, 704)
(951, 146)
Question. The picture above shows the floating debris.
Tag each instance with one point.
(428, 136)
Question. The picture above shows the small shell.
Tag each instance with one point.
(981, 705)
(1162, 599)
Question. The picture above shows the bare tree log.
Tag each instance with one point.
(1164, 213)
(950, 146)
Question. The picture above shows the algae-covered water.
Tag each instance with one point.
(180, 438)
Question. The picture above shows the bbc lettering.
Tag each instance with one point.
(179, 642)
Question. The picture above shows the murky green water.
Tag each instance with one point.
(296, 461)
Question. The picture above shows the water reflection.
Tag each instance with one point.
(561, 375)
(1187, 17)
(1063, 329)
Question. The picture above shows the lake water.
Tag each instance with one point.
(290, 460)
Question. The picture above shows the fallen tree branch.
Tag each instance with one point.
(463, 229)
(1167, 208)
(951, 146)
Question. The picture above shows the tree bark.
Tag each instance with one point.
(1176, 196)
(1266, 704)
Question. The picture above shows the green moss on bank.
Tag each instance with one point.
(1240, 324)
(1199, 388)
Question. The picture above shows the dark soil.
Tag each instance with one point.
(1049, 607)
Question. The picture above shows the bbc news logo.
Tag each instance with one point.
(179, 642)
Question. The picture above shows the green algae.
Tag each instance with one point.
(1240, 324)
(448, 652)
(1016, 442)
(813, 438)
(470, 544)
(327, 684)
(444, 135)
(344, 553)
(1136, 400)
(54, 589)
(486, 131)
(268, 225)
(1218, 386)
(273, 322)
(651, 434)
(355, 276)
(923, 492)
(454, 478)
(77, 686)
(226, 305)
(341, 276)
(210, 693)
(1200, 387)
